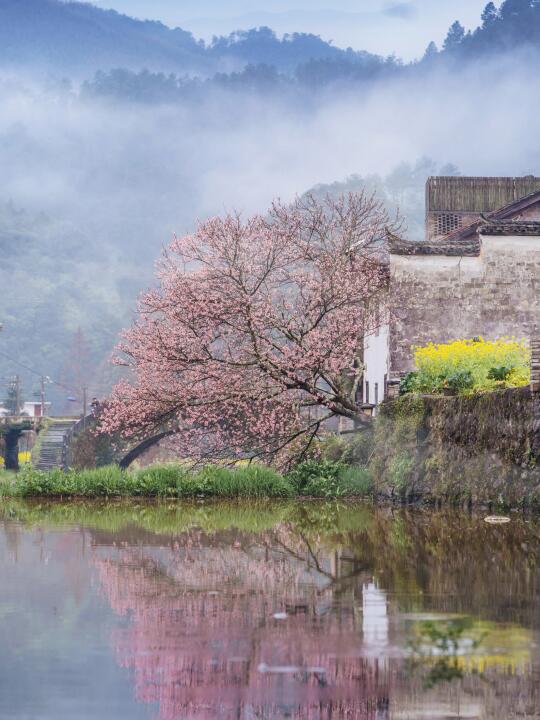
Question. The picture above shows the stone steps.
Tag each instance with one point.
(52, 444)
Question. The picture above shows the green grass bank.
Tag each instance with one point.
(322, 479)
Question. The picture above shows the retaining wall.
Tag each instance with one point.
(480, 449)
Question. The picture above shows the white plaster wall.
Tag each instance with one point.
(438, 298)
(376, 363)
(509, 244)
(29, 408)
(435, 265)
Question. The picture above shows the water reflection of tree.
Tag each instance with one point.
(203, 641)
(202, 610)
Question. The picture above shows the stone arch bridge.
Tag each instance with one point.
(55, 438)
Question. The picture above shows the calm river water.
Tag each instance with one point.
(320, 611)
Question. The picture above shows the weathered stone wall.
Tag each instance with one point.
(440, 298)
(482, 449)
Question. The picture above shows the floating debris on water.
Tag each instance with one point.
(497, 519)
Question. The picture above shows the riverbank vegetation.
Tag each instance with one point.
(322, 479)
(469, 366)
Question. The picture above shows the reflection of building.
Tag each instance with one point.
(476, 273)
(375, 620)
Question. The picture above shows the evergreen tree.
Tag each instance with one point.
(455, 36)
(431, 51)
(515, 8)
(489, 15)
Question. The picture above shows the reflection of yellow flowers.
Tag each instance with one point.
(504, 646)
(436, 363)
(475, 646)
(24, 459)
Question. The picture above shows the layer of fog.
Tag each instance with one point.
(153, 169)
(125, 177)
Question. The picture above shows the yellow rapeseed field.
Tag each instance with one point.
(476, 363)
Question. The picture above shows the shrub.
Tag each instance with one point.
(409, 383)
(351, 449)
(469, 365)
(90, 449)
(499, 373)
(311, 472)
(460, 380)
(328, 479)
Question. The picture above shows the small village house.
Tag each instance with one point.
(477, 272)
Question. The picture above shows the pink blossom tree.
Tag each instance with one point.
(253, 339)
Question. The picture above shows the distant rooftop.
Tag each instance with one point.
(476, 194)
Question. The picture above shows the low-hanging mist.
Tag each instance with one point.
(92, 188)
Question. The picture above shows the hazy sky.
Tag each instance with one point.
(384, 26)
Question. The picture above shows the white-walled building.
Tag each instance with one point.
(483, 278)
(33, 409)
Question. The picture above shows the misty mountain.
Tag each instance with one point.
(77, 38)
(50, 291)
(507, 34)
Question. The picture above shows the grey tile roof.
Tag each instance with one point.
(469, 247)
(510, 227)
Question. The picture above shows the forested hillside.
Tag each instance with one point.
(75, 37)
(54, 283)
(515, 25)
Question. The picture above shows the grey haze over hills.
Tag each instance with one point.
(403, 27)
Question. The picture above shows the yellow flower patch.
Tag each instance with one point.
(490, 364)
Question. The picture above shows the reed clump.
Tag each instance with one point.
(166, 481)
(315, 479)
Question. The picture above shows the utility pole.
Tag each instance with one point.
(42, 396)
(85, 404)
(17, 394)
